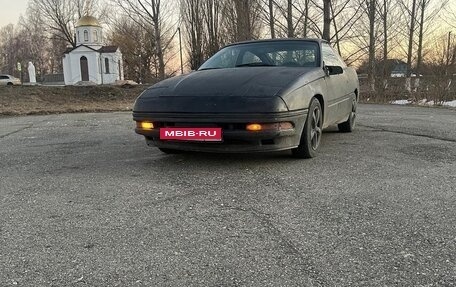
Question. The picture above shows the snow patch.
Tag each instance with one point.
(450, 104)
(401, 102)
(425, 102)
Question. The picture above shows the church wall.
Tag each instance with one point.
(67, 72)
(113, 75)
(94, 36)
(96, 66)
(89, 42)
(73, 74)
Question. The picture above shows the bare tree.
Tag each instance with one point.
(244, 28)
(384, 11)
(371, 8)
(192, 15)
(339, 15)
(271, 18)
(9, 49)
(327, 20)
(428, 14)
(137, 49)
(60, 16)
(290, 26)
(293, 18)
(411, 12)
(151, 17)
(242, 20)
(212, 18)
(306, 17)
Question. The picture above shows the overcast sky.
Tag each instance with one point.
(11, 10)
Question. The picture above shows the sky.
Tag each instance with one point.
(11, 10)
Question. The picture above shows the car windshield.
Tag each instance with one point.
(280, 53)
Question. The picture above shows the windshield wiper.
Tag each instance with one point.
(257, 64)
(214, 68)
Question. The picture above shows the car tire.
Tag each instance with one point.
(170, 151)
(312, 132)
(9, 84)
(349, 125)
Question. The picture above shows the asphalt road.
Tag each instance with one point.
(84, 202)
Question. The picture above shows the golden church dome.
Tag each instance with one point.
(88, 21)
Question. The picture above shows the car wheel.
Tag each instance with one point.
(312, 133)
(349, 125)
(9, 84)
(170, 151)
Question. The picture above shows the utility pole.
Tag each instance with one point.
(180, 50)
(448, 51)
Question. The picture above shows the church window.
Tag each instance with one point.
(107, 65)
(95, 34)
(120, 70)
(86, 36)
(79, 37)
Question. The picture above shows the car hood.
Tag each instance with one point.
(244, 89)
(245, 81)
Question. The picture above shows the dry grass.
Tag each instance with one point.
(26, 100)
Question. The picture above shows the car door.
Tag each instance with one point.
(338, 97)
(3, 80)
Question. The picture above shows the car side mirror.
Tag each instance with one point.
(334, 70)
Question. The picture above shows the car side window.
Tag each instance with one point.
(249, 57)
(4, 78)
(305, 57)
(330, 57)
(226, 59)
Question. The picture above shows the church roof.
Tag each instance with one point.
(102, 50)
(108, 49)
(88, 21)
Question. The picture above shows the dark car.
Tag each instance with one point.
(267, 95)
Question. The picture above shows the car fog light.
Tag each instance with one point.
(145, 125)
(285, 126)
(269, 127)
(254, 127)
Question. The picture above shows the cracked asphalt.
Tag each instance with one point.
(84, 202)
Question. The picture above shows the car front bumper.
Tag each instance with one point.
(236, 139)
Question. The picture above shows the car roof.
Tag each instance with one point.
(279, 40)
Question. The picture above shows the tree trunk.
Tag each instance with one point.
(327, 20)
(385, 34)
(336, 30)
(385, 44)
(244, 31)
(271, 18)
(372, 9)
(306, 18)
(290, 30)
(420, 38)
(157, 36)
(410, 47)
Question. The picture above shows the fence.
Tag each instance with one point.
(53, 79)
(430, 88)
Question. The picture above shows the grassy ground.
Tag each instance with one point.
(27, 100)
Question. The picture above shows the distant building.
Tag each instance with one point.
(393, 67)
(398, 68)
(90, 61)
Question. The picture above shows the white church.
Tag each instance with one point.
(90, 61)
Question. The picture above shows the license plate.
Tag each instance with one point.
(191, 134)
